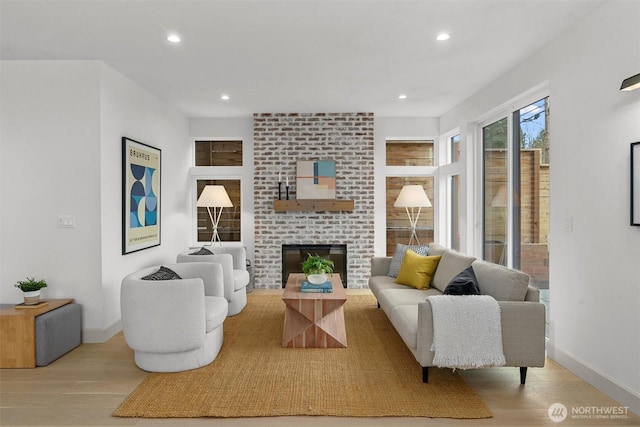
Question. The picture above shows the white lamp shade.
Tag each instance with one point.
(214, 196)
(412, 196)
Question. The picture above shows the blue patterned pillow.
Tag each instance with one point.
(202, 251)
(163, 274)
(398, 256)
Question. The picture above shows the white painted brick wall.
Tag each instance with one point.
(280, 140)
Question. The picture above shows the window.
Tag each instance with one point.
(533, 254)
(229, 225)
(218, 162)
(454, 148)
(218, 153)
(409, 162)
(409, 153)
(398, 226)
(516, 191)
(454, 212)
(495, 183)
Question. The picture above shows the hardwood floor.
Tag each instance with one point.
(85, 386)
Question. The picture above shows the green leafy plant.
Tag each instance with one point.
(31, 284)
(315, 264)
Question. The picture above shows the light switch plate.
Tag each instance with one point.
(66, 221)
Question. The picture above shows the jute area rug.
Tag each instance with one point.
(253, 376)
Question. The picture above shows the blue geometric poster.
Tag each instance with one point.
(141, 196)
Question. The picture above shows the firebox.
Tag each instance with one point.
(294, 255)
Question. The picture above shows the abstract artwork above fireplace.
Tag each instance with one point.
(316, 179)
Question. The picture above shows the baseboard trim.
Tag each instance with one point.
(98, 336)
(611, 388)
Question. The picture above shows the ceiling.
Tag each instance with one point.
(294, 56)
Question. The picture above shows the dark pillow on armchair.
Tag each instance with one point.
(163, 273)
(465, 283)
(202, 251)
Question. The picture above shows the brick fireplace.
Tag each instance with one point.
(280, 140)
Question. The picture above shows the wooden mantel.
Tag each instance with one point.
(313, 205)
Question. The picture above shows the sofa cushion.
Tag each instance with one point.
(502, 283)
(163, 273)
(450, 265)
(202, 251)
(436, 249)
(378, 283)
(404, 319)
(465, 283)
(403, 295)
(398, 256)
(417, 270)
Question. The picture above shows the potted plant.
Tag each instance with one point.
(317, 268)
(31, 289)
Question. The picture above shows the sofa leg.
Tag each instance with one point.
(378, 305)
(523, 374)
(425, 374)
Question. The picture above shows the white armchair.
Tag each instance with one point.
(174, 325)
(234, 270)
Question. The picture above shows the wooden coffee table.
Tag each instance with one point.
(314, 320)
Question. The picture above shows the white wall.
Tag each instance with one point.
(61, 129)
(128, 110)
(595, 268)
(50, 164)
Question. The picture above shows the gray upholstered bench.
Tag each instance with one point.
(58, 332)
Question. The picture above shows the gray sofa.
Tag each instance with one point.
(522, 315)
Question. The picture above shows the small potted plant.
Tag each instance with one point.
(317, 268)
(31, 289)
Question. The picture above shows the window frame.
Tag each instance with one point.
(507, 111)
(413, 172)
(237, 173)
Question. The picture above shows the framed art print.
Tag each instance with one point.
(141, 172)
(316, 179)
(635, 184)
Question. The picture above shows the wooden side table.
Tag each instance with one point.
(18, 333)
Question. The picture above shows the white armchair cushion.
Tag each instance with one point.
(240, 279)
(163, 316)
(225, 260)
(216, 309)
(210, 273)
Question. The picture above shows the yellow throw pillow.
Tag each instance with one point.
(417, 270)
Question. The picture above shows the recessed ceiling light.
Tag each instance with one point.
(225, 97)
(403, 96)
(442, 37)
(174, 38)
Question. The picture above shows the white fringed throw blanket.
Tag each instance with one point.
(466, 331)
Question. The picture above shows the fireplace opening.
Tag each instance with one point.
(294, 255)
